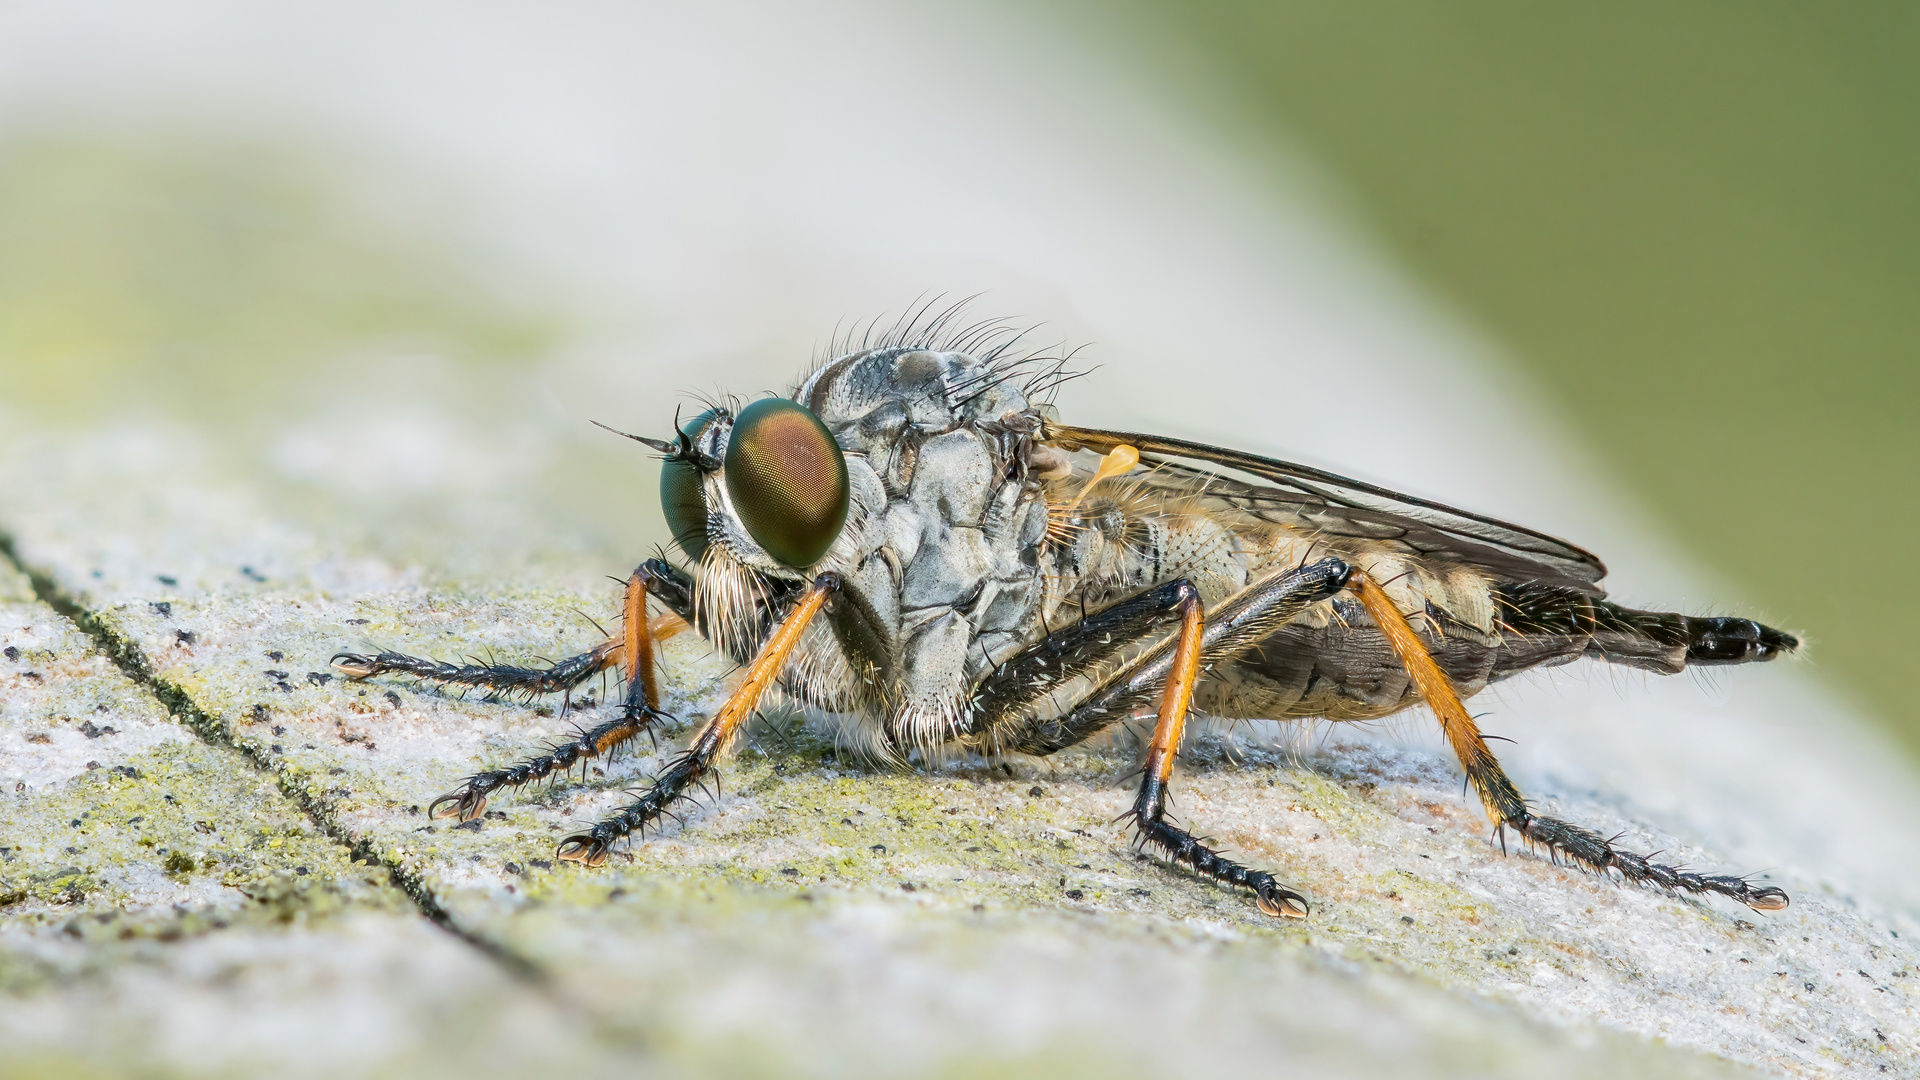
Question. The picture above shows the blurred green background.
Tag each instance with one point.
(1697, 224)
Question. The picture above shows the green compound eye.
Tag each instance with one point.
(787, 479)
(683, 498)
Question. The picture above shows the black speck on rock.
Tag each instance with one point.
(319, 678)
(94, 731)
(278, 730)
(357, 622)
(12, 653)
(276, 655)
(470, 826)
(161, 608)
(185, 637)
(1037, 792)
(1076, 894)
(166, 579)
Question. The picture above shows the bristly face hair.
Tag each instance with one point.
(913, 545)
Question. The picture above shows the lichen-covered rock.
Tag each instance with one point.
(114, 809)
(163, 903)
(815, 914)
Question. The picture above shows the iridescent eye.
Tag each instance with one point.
(683, 497)
(787, 479)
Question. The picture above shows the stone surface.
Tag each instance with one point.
(162, 901)
(816, 915)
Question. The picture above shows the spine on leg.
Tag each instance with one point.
(1180, 846)
(498, 679)
(469, 800)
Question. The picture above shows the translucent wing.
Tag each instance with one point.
(1310, 499)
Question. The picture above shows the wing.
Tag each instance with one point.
(1306, 498)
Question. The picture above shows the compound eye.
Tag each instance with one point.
(683, 496)
(787, 479)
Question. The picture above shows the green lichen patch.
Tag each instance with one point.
(124, 824)
(180, 825)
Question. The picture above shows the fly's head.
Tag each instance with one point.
(756, 498)
(768, 487)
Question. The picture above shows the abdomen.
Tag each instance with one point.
(1340, 667)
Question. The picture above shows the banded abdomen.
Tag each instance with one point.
(1342, 669)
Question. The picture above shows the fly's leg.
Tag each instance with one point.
(1171, 668)
(1238, 624)
(500, 680)
(708, 747)
(997, 707)
(662, 580)
(469, 800)
(1502, 798)
(1149, 809)
(638, 710)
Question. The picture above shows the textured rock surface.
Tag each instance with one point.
(163, 902)
(251, 862)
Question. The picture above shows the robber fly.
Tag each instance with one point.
(914, 542)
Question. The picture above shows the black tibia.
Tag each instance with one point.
(500, 679)
(1236, 625)
(593, 846)
(1654, 640)
(469, 800)
(1149, 809)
